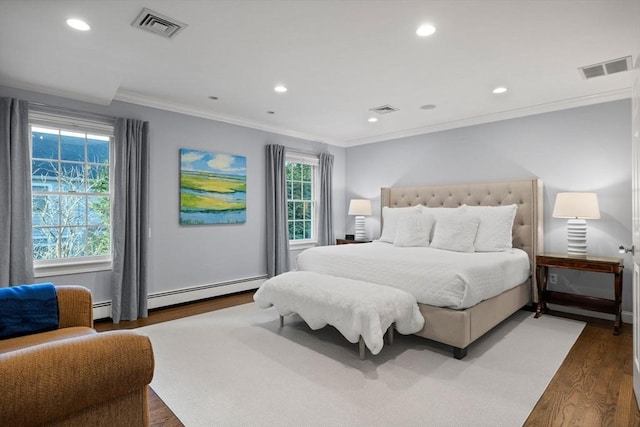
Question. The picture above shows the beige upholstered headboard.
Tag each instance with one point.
(527, 194)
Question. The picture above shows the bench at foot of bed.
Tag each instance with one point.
(361, 344)
(361, 311)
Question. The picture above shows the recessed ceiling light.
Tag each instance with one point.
(372, 119)
(425, 30)
(500, 89)
(78, 24)
(280, 89)
(428, 107)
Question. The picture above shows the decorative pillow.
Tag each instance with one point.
(455, 233)
(413, 230)
(390, 218)
(440, 213)
(495, 230)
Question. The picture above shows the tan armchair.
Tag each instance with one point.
(74, 376)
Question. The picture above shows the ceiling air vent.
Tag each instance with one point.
(157, 23)
(604, 68)
(384, 109)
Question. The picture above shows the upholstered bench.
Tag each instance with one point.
(363, 312)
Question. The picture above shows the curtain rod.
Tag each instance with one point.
(55, 109)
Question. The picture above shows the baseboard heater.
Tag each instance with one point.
(102, 310)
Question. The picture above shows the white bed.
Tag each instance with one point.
(433, 276)
(481, 297)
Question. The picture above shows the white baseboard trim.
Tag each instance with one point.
(102, 310)
(627, 316)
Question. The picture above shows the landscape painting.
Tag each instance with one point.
(213, 188)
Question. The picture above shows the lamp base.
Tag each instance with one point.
(577, 237)
(359, 232)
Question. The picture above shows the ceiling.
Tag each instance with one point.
(338, 59)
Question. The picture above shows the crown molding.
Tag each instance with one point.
(564, 104)
(76, 96)
(135, 98)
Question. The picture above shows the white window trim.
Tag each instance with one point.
(307, 159)
(64, 266)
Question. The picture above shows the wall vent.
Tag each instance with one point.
(157, 23)
(604, 68)
(384, 109)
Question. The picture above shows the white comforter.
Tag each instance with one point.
(353, 307)
(433, 276)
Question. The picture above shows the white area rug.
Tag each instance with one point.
(236, 367)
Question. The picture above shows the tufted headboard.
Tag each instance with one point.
(527, 194)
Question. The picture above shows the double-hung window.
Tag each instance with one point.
(71, 193)
(302, 193)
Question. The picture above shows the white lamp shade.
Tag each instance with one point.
(576, 205)
(360, 207)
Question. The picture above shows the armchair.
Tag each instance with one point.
(74, 376)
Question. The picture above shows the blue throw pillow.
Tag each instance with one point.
(28, 309)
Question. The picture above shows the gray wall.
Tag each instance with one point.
(580, 149)
(186, 256)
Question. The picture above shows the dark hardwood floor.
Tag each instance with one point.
(593, 387)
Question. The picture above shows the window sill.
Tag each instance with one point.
(297, 246)
(45, 269)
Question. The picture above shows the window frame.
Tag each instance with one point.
(97, 126)
(312, 160)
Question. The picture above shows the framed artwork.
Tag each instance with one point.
(213, 188)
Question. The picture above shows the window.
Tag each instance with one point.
(301, 175)
(71, 194)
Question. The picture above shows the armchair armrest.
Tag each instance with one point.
(75, 307)
(50, 381)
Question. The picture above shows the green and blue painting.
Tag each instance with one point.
(213, 188)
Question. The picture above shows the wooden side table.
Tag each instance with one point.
(613, 266)
(348, 242)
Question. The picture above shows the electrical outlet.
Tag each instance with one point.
(553, 279)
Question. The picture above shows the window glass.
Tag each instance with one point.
(301, 203)
(71, 199)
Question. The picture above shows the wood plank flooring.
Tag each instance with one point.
(593, 387)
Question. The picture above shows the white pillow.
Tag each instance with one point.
(390, 218)
(455, 233)
(413, 230)
(440, 213)
(496, 224)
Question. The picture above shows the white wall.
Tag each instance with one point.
(193, 256)
(581, 149)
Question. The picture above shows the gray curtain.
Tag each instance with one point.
(325, 216)
(276, 202)
(16, 246)
(130, 220)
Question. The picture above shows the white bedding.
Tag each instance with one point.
(433, 276)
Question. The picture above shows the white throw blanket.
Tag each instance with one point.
(353, 307)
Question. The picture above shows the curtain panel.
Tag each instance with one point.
(325, 212)
(276, 205)
(130, 220)
(16, 248)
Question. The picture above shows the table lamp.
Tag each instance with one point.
(577, 207)
(360, 208)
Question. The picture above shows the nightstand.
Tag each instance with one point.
(348, 242)
(613, 266)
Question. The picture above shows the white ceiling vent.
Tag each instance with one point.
(384, 109)
(604, 68)
(157, 23)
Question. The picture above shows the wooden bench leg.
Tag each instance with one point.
(361, 346)
(460, 353)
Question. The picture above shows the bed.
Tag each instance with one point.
(457, 323)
